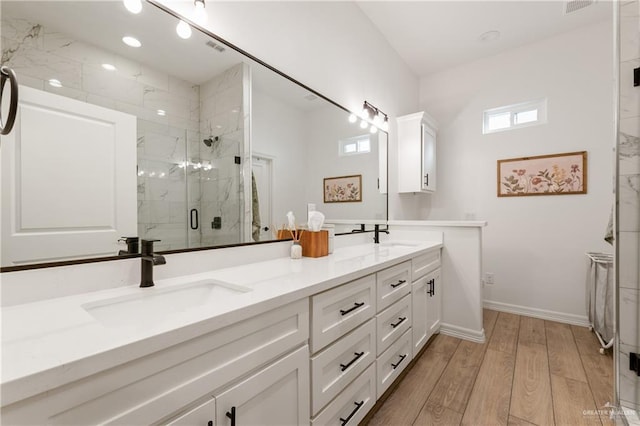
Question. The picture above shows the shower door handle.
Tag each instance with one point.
(7, 73)
(194, 218)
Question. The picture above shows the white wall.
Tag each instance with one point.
(278, 132)
(535, 246)
(333, 48)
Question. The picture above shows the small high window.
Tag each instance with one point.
(355, 145)
(514, 116)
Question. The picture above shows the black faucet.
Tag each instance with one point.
(132, 246)
(148, 260)
(362, 228)
(376, 233)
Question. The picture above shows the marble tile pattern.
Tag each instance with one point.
(628, 227)
(169, 146)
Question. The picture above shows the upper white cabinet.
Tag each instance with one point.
(417, 153)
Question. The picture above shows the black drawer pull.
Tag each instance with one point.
(357, 357)
(355, 410)
(353, 308)
(402, 357)
(400, 321)
(232, 415)
(399, 283)
(432, 285)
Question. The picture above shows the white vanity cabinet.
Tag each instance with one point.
(417, 136)
(171, 384)
(426, 298)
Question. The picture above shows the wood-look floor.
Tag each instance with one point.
(529, 372)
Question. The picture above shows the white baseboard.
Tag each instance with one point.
(462, 333)
(573, 319)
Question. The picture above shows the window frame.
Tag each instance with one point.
(539, 104)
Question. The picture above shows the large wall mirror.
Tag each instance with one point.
(187, 141)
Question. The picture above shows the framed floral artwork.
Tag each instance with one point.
(554, 174)
(343, 189)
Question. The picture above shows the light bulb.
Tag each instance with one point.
(108, 67)
(133, 6)
(373, 129)
(183, 30)
(377, 119)
(55, 83)
(364, 124)
(365, 112)
(200, 13)
(353, 118)
(385, 124)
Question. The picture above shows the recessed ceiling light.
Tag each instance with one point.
(492, 35)
(55, 82)
(131, 41)
(183, 30)
(162, 112)
(133, 6)
(108, 67)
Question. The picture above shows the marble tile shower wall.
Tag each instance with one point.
(220, 192)
(629, 201)
(168, 145)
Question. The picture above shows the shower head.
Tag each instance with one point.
(209, 141)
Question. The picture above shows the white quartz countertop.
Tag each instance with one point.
(49, 343)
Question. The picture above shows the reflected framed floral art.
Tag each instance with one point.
(343, 189)
(555, 174)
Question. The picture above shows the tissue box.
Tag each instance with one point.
(315, 244)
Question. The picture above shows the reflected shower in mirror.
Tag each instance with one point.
(188, 141)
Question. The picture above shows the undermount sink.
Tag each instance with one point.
(398, 244)
(156, 303)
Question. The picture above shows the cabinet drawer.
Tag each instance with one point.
(336, 366)
(425, 263)
(340, 310)
(350, 407)
(391, 363)
(152, 388)
(392, 323)
(393, 283)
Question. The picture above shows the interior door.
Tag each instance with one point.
(261, 168)
(68, 180)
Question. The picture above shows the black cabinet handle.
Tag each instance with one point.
(210, 423)
(7, 73)
(232, 415)
(400, 321)
(194, 218)
(426, 179)
(399, 283)
(432, 285)
(353, 308)
(357, 357)
(402, 357)
(355, 410)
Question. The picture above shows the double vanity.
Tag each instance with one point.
(279, 341)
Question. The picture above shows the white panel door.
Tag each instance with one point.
(68, 180)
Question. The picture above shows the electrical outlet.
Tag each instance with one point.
(488, 278)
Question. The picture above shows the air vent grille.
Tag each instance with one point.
(575, 5)
(216, 46)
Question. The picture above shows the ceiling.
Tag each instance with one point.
(431, 36)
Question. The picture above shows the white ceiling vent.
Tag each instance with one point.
(216, 46)
(575, 5)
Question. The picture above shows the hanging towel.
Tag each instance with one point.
(608, 235)
(255, 210)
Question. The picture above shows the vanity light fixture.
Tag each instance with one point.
(131, 41)
(183, 30)
(373, 117)
(353, 118)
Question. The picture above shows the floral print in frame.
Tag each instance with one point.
(343, 189)
(554, 174)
